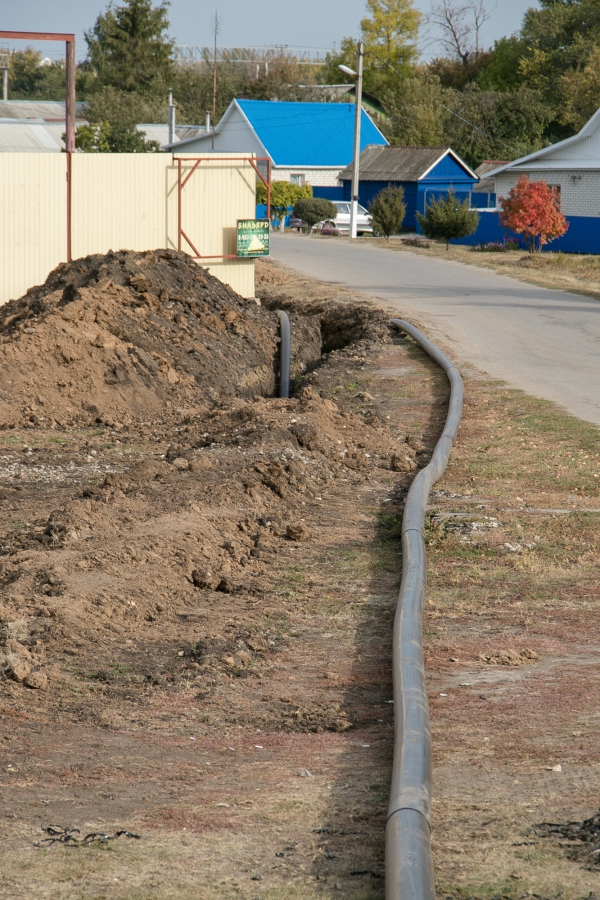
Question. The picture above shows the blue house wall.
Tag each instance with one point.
(447, 175)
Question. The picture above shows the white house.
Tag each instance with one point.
(572, 166)
(307, 143)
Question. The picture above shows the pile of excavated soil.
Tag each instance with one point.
(184, 508)
(130, 337)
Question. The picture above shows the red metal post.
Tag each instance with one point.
(36, 36)
(181, 184)
(70, 104)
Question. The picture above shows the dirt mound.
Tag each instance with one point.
(136, 336)
(268, 273)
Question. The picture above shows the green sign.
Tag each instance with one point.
(252, 237)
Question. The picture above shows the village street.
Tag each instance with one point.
(543, 341)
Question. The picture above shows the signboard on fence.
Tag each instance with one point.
(252, 237)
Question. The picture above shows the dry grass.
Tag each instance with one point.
(513, 564)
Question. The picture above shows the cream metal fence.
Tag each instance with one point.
(119, 201)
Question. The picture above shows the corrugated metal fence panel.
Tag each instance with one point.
(128, 201)
(120, 202)
(33, 231)
(219, 192)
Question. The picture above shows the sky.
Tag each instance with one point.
(312, 23)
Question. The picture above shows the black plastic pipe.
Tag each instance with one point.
(284, 353)
(408, 860)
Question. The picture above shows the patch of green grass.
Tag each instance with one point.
(119, 668)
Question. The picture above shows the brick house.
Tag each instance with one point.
(573, 167)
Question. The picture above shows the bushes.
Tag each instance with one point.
(448, 218)
(315, 209)
(387, 210)
(283, 195)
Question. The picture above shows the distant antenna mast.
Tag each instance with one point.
(214, 106)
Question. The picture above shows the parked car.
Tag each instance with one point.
(342, 220)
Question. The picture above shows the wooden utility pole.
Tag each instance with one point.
(214, 106)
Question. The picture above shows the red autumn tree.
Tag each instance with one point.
(532, 209)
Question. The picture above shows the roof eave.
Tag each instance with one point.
(583, 133)
(216, 129)
(254, 132)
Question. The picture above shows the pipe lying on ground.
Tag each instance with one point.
(408, 860)
(284, 354)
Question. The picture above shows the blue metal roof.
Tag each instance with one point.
(308, 134)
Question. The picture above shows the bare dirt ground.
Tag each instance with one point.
(198, 588)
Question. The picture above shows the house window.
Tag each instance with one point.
(297, 179)
(556, 187)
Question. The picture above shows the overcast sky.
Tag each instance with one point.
(311, 23)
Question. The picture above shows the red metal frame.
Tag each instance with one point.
(69, 104)
(182, 183)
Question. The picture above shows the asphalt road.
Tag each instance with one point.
(545, 342)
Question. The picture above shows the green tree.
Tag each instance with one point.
(580, 93)
(495, 124)
(560, 38)
(314, 209)
(102, 137)
(93, 138)
(125, 107)
(387, 210)
(390, 34)
(502, 69)
(447, 218)
(128, 46)
(454, 73)
(417, 117)
(284, 195)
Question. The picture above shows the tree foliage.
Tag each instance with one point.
(125, 107)
(103, 137)
(128, 45)
(284, 195)
(391, 31)
(390, 35)
(447, 218)
(315, 209)
(388, 210)
(532, 209)
(495, 124)
(29, 78)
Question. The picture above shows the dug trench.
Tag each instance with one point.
(198, 581)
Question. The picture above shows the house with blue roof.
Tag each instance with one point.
(307, 143)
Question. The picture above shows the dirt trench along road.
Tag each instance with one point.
(543, 341)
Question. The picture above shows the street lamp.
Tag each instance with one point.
(358, 75)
